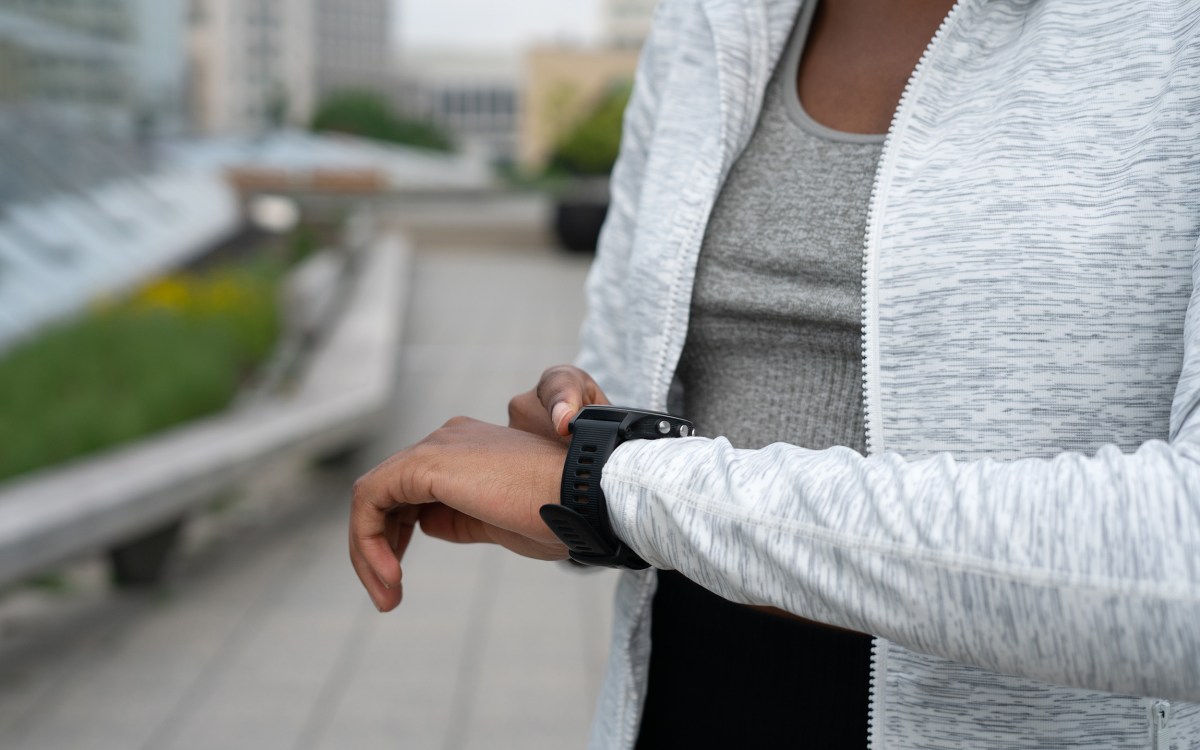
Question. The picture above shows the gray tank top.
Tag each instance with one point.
(773, 350)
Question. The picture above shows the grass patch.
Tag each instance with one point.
(50, 582)
(177, 349)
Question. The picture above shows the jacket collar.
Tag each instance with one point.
(749, 36)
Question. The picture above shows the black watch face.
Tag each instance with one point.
(637, 423)
(616, 413)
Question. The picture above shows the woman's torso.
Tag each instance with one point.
(773, 354)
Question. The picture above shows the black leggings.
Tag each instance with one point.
(726, 676)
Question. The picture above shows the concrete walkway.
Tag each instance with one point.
(263, 637)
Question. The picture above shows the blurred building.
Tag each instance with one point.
(353, 45)
(84, 214)
(474, 96)
(562, 85)
(71, 60)
(160, 64)
(114, 66)
(252, 64)
(627, 22)
(85, 207)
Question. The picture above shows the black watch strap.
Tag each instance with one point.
(581, 519)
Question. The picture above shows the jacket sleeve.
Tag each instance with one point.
(1076, 570)
(602, 352)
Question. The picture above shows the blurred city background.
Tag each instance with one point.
(249, 248)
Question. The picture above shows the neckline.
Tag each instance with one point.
(791, 91)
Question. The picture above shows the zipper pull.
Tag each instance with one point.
(1160, 714)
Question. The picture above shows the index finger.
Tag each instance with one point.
(371, 536)
(564, 390)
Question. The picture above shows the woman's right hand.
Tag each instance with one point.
(547, 410)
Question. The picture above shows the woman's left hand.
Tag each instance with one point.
(469, 481)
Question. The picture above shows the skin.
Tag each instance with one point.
(469, 482)
(473, 482)
(859, 56)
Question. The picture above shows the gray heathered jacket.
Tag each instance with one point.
(1028, 515)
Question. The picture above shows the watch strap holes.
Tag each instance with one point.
(581, 499)
(585, 460)
(588, 449)
(583, 473)
(582, 486)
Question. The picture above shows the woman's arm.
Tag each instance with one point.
(1077, 570)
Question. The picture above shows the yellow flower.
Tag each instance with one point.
(224, 294)
(169, 293)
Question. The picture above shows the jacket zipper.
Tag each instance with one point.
(870, 336)
(1160, 713)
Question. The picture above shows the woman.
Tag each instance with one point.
(1018, 518)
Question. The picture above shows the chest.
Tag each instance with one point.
(859, 56)
(1040, 174)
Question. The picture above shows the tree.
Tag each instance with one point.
(590, 147)
(368, 115)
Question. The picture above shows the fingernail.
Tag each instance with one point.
(559, 413)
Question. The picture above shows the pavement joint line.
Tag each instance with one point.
(163, 736)
(474, 642)
(117, 613)
(475, 660)
(333, 689)
(112, 614)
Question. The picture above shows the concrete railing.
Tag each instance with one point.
(130, 500)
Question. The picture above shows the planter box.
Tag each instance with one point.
(129, 500)
(579, 212)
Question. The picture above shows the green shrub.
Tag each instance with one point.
(175, 350)
(368, 115)
(591, 146)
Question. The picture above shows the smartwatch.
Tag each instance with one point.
(581, 520)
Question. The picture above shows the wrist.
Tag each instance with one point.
(581, 519)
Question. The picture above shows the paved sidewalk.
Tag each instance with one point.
(264, 639)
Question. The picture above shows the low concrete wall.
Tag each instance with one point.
(461, 217)
(106, 500)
